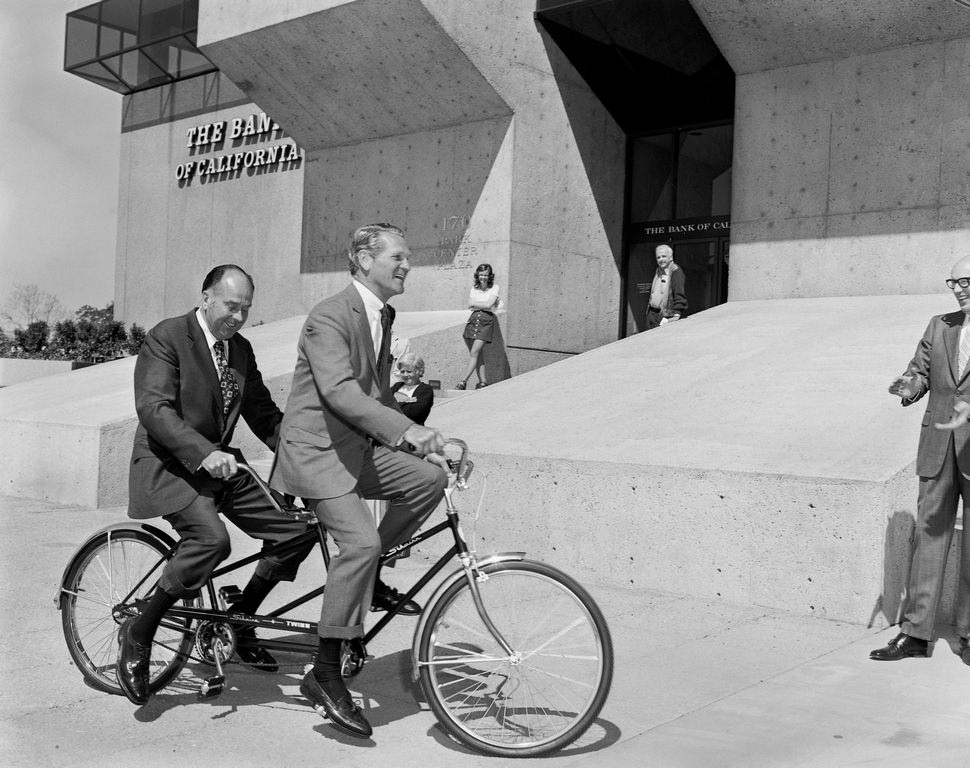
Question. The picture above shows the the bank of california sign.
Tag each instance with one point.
(231, 164)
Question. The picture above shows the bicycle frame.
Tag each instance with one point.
(276, 619)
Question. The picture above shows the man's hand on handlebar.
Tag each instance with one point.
(220, 465)
(429, 443)
(424, 439)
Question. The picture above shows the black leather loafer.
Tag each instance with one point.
(343, 713)
(133, 666)
(251, 654)
(901, 647)
(965, 650)
(385, 598)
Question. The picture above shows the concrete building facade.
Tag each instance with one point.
(498, 131)
(804, 159)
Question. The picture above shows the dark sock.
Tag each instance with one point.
(143, 628)
(326, 667)
(254, 593)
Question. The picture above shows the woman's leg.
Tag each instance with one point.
(474, 355)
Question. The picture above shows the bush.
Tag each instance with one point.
(94, 336)
(32, 340)
(136, 337)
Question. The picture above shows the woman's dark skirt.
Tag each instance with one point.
(480, 325)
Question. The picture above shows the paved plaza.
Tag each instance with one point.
(698, 684)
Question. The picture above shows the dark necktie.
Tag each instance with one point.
(383, 357)
(227, 382)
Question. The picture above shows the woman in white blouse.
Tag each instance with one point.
(483, 300)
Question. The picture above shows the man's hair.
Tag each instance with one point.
(664, 249)
(364, 240)
(217, 273)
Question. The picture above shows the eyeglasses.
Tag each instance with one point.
(963, 282)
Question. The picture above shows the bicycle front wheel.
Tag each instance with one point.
(97, 596)
(547, 692)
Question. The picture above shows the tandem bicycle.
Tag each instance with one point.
(513, 656)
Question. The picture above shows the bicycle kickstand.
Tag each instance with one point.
(214, 685)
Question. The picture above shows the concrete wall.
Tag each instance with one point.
(851, 175)
(706, 458)
(496, 132)
(14, 370)
(171, 231)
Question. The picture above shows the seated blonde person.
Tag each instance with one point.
(413, 396)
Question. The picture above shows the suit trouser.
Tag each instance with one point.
(414, 488)
(935, 519)
(204, 540)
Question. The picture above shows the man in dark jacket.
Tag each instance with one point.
(195, 376)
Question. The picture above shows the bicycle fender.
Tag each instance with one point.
(158, 533)
(457, 575)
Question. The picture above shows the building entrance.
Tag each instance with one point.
(679, 187)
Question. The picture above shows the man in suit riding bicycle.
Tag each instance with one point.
(194, 377)
(343, 440)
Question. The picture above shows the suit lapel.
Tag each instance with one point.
(202, 358)
(363, 326)
(951, 343)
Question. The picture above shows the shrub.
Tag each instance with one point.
(32, 340)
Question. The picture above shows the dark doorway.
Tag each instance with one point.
(656, 69)
(679, 193)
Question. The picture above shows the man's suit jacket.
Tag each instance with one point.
(934, 367)
(180, 419)
(337, 403)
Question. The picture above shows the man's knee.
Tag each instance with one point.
(216, 543)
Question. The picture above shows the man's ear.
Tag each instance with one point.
(365, 261)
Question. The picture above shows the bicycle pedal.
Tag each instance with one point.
(231, 594)
(212, 686)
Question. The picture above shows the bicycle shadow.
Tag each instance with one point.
(383, 689)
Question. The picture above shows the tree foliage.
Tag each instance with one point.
(94, 335)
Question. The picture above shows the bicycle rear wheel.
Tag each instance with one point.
(542, 697)
(99, 578)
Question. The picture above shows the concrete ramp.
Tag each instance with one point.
(749, 453)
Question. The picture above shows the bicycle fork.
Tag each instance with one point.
(472, 572)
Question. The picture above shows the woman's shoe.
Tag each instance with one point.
(480, 384)
(460, 385)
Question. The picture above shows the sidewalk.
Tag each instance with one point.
(697, 684)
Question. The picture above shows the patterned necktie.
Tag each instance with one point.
(383, 355)
(227, 382)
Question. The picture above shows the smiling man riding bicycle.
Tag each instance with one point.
(194, 377)
(340, 442)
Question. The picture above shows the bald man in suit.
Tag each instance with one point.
(342, 441)
(194, 377)
(941, 368)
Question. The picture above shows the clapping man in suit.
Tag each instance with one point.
(194, 377)
(343, 440)
(941, 367)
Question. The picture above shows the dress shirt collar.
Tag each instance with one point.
(372, 304)
(210, 340)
